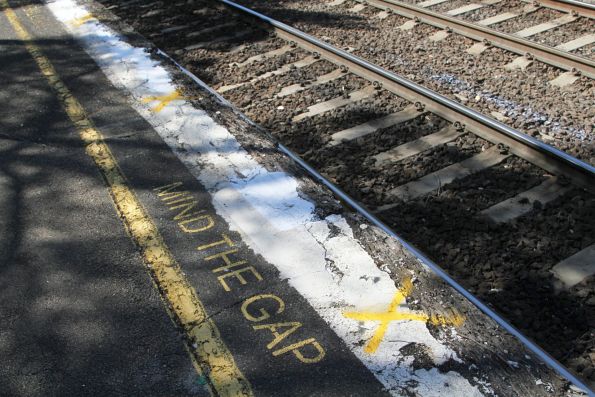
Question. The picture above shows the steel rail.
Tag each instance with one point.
(518, 45)
(528, 343)
(544, 156)
(581, 8)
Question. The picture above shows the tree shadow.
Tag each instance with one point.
(456, 231)
(79, 314)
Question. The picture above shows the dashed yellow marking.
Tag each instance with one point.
(208, 352)
(393, 314)
(163, 100)
(82, 20)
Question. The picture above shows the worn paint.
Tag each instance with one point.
(210, 356)
(224, 257)
(163, 100)
(393, 314)
(82, 20)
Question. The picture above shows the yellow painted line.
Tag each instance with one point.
(82, 20)
(208, 352)
(393, 314)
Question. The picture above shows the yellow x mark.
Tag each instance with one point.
(163, 100)
(82, 20)
(393, 314)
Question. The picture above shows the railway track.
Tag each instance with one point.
(452, 20)
(551, 104)
(507, 216)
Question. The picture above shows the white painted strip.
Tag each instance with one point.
(575, 269)
(401, 152)
(505, 16)
(309, 60)
(542, 27)
(278, 222)
(410, 112)
(436, 180)
(335, 3)
(325, 78)
(260, 57)
(523, 203)
(335, 103)
(430, 3)
(577, 43)
(464, 9)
